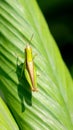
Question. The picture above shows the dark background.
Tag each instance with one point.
(59, 16)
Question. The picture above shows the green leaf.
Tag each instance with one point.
(6, 120)
(52, 106)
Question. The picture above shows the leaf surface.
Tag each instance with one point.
(51, 108)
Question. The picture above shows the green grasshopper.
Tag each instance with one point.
(29, 68)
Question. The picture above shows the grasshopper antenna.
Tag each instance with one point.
(31, 37)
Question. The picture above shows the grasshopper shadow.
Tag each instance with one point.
(24, 90)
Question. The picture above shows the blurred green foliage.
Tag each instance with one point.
(59, 16)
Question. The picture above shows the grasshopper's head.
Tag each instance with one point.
(28, 53)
